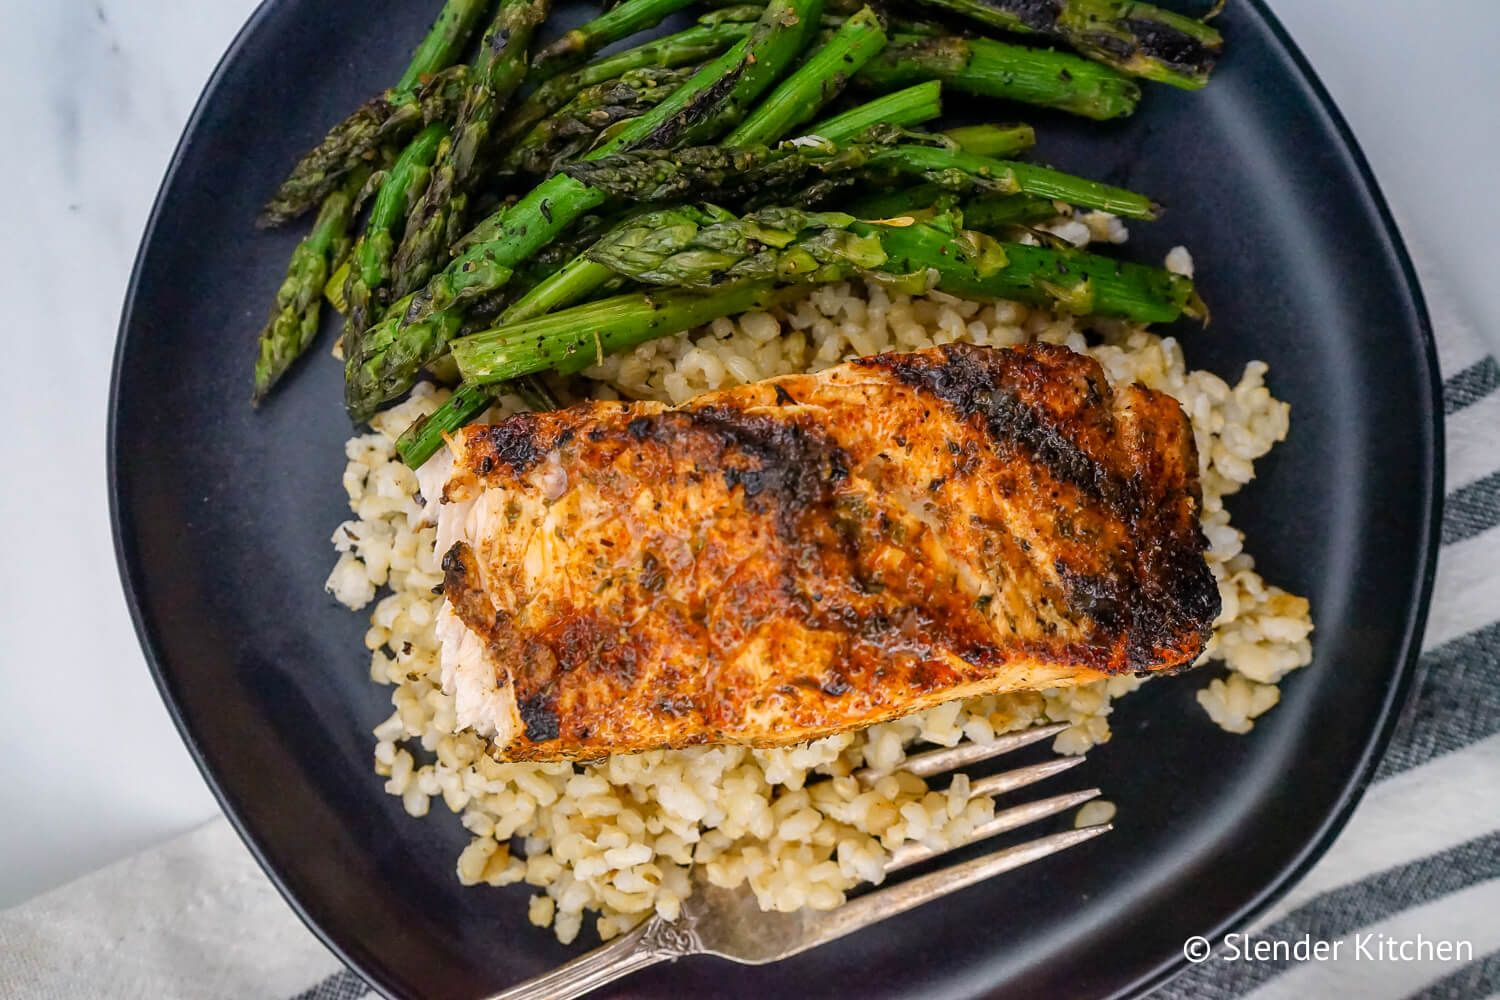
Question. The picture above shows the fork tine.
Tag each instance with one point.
(1005, 820)
(895, 899)
(1009, 781)
(925, 765)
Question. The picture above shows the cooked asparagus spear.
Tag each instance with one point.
(993, 140)
(754, 173)
(444, 42)
(725, 174)
(819, 79)
(963, 171)
(571, 340)
(718, 96)
(711, 249)
(497, 72)
(621, 22)
(966, 263)
(391, 354)
(989, 212)
(357, 141)
(792, 246)
(570, 132)
(391, 116)
(424, 437)
(685, 48)
(973, 265)
(914, 105)
(1011, 72)
(1136, 38)
(986, 213)
(370, 260)
(294, 322)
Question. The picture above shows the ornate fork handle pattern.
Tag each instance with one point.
(653, 940)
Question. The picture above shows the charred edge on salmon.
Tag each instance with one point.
(1153, 606)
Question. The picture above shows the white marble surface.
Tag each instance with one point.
(91, 768)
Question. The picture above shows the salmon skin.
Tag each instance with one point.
(783, 560)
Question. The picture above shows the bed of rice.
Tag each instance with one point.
(617, 839)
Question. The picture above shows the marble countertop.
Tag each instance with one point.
(93, 769)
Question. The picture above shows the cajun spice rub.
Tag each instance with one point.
(782, 560)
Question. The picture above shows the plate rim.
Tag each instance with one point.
(1431, 441)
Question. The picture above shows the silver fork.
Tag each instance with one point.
(728, 922)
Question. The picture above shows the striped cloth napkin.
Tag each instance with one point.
(1419, 861)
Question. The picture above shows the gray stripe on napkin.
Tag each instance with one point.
(1457, 702)
(1471, 385)
(1480, 978)
(1472, 509)
(1342, 911)
(344, 985)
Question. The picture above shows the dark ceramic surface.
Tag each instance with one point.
(222, 517)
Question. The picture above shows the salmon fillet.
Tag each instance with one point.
(778, 561)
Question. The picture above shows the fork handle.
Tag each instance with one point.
(651, 941)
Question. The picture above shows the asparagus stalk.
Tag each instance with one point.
(717, 97)
(819, 79)
(444, 42)
(571, 340)
(424, 437)
(914, 105)
(683, 248)
(1135, 38)
(591, 114)
(726, 175)
(966, 263)
(1068, 280)
(577, 280)
(792, 246)
(993, 140)
(389, 116)
(988, 68)
(294, 321)
(742, 13)
(498, 71)
(960, 170)
(685, 48)
(391, 354)
(356, 141)
(621, 22)
(985, 213)
(549, 259)
(988, 213)
(370, 260)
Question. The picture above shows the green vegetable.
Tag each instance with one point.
(988, 68)
(420, 95)
(1135, 38)
(294, 321)
(391, 355)
(914, 105)
(819, 79)
(498, 71)
(620, 22)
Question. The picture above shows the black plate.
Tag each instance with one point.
(222, 518)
